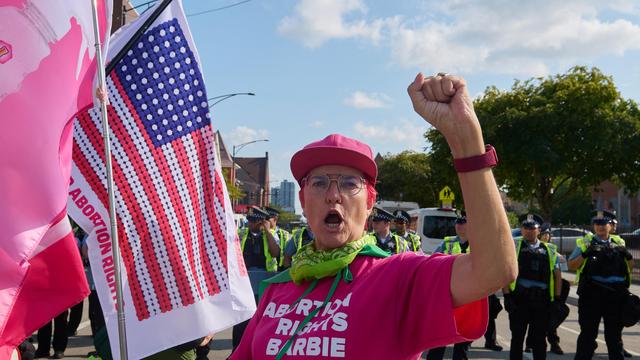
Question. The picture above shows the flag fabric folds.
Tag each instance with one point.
(183, 275)
(47, 62)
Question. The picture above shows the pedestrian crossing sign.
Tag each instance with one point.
(446, 194)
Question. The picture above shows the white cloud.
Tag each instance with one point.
(361, 100)
(527, 38)
(486, 36)
(315, 22)
(316, 124)
(409, 133)
(243, 134)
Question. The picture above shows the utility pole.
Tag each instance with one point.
(117, 19)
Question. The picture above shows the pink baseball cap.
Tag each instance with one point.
(334, 149)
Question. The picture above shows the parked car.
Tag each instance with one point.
(433, 224)
(565, 238)
(632, 239)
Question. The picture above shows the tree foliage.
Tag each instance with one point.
(407, 176)
(285, 217)
(235, 193)
(569, 131)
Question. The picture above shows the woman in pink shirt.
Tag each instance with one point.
(343, 297)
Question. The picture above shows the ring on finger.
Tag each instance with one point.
(442, 74)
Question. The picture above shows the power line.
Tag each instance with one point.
(218, 9)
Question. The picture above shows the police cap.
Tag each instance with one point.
(461, 217)
(379, 214)
(530, 221)
(545, 229)
(256, 214)
(402, 216)
(602, 217)
(272, 212)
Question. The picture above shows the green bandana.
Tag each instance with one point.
(310, 264)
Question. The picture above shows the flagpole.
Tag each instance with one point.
(138, 34)
(122, 330)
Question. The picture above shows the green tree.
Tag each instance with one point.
(569, 131)
(235, 193)
(285, 217)
(407, 176)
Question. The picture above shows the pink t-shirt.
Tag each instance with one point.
(394, 308)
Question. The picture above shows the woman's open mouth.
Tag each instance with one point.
(333, 220)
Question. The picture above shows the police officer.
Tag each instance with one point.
(261, 251)
(299, 238)
(453, 245)
(552, 332)
(402, 220)
(603, 266)
(387, 241)
(280, 234)
(528, 300)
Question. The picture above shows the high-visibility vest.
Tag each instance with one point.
(283, 236)
(413, 239)
(271, 263)
(452, 245)
(552, 254)
(584, 242)
(297, 237)
(401, 243)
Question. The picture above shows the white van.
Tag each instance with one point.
(433, 224)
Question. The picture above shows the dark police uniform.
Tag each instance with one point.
(257, 259)
(531, 295)
(409, 236)
(603, 281)
(392, 243)
(282, 235)
(453, 245)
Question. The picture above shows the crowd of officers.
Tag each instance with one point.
(535, 301)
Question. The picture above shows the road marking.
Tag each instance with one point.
(84, 324)
(598, 340)
(507, 344)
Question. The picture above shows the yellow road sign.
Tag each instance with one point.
(446, 194)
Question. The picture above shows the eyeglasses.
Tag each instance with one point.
(349, 185)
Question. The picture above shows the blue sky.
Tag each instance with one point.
(326, 66)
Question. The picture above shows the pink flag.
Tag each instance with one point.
(47, 62)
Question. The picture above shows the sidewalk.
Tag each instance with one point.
(573, 296)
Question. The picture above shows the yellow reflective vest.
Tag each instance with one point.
(452, 246)
(413, 240)
(271, 263)
(552, 254)
(584, 242)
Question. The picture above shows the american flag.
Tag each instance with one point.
(169, 193)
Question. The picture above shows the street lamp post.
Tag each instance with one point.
(237, 148)
(224, 97)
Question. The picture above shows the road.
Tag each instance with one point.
(81, 344)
